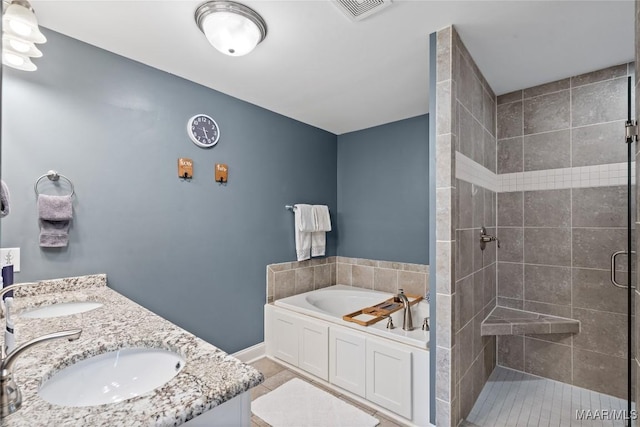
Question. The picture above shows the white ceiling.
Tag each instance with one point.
(320, 68)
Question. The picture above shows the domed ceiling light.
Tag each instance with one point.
(232, 28)
(20, 32)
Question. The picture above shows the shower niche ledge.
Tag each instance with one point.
(511, 321)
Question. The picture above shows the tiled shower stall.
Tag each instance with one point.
(559, 232)
(544, 170)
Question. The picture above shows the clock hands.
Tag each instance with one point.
(205, 132)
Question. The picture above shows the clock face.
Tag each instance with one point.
(203, 130)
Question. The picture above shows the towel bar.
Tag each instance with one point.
(53, 176)
(290, 207)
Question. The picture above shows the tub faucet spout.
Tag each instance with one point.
(407, 321)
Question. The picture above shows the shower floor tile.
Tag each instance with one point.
(513, 398)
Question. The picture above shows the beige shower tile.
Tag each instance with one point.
(385, 280)
(304, 280)
(285, 282)
(443, 71)
(445, 269)
(280, 267)
(301, 264)
(443, 413)
(362, 276)
(321, 276)
(412, 282)
(343, 274)
(334, 280)
(271, 279)
(367, 262)
(443, 373)
(445, 314)
(390, 265)
(443, 111)
(419, 268)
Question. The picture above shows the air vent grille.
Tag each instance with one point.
(357, 10)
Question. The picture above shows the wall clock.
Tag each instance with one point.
(203, 130)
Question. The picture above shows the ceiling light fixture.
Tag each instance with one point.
(18, 45)
(20, 33)
(232, 28)
(18, 61)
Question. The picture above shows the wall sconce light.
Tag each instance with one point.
(232, 28)
(20, 32)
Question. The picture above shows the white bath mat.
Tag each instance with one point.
(297, 403)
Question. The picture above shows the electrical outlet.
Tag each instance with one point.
(10, 256)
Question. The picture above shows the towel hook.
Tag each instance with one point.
(53, 176)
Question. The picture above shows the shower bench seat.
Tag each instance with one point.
(511, 321)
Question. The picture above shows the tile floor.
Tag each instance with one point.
(509, 399)
(513, 398)
(276, 374)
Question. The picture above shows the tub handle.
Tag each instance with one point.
(425, 324)
(389, 322)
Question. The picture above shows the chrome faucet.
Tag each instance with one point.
(407, 321)
(10, 396)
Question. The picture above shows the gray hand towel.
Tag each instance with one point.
(55, 213)
(4, 199)
(55, 208)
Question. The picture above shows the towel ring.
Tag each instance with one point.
(53, 176)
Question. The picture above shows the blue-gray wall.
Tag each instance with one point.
(193, 252)
(383, 190)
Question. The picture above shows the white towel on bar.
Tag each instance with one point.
(322, 218)
(319, 236)
(304, 225)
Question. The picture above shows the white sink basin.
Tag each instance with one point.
(112, 377)
(60, 309)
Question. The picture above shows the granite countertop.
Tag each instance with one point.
(209, 378)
